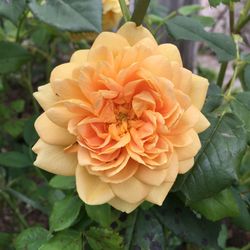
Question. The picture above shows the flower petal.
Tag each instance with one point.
(123, 205)
(63, 71)
(53, 159)
(186, 165)
(198, 90)
(201, 124)
(51, 133)
(91, 189)
(148, 176)
(60, 115)
(113, 41)
(131, 190)
(80, 57)
(45, 96)
(133, 33)
(191, 149)
(158, 194)
(171, 52)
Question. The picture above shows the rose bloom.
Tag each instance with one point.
(123, 117)
(111, 14)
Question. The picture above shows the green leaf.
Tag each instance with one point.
(15, 160)
(189, 9)
(14, 127)
(214, 3)
(12, 9)
(6, 240)
(64, 213)
(103, 239)
(101, 214)
(213, 100)
(175, 216)
(74, 15)
(29, 133)
(223, 145)
(63, 182)
(246, 77)
(240, 105)
(66, 240)
(31, 238)
(218, 206)
(186, 28)
(17, 105)
(140, 230)
(205, 21)
(243, 220)
(13, 56)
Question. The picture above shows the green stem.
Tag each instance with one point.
(28, 83)
(165, 19)
(244, 17)
(20, 26)
(140, 11)
(125, 10)
(221, 75)
(231, 16)
(15, 209)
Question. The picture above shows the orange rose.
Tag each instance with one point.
(122, 117)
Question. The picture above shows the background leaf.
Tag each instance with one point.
(63, 182)
(12, 9)
(15, 160)
(64, 213)
(74, 15)
(223, 145)
(31, 238)
(186, 28)
(13, 56)
(218, 206)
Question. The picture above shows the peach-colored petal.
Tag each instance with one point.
(133, 33)
(123, 205)
(172, 168)
(131, 190)
(181, 140)
(171, 52)
(186, 165)
(53, 159)
(63, 71)
(191, 150)
(60, 115)
(151, 177)
(114, 42)
(51, 133)
(45, 96)
(201, 124)
(198, 91)
(158, 194)
(80, 57)
(91, 189)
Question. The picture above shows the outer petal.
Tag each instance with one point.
(190, 150)
(53, 159)
(201, 124)
(91, 189)
(131, 190)
(198, 91)
(123, 205)
(133, 33)
(112, 41)
(171, 52)
(60, 115)
(158, 194)
(80, 57)
(63, 71)
(186, 165)
(45, 96)
(151, 177)
(51, 133)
